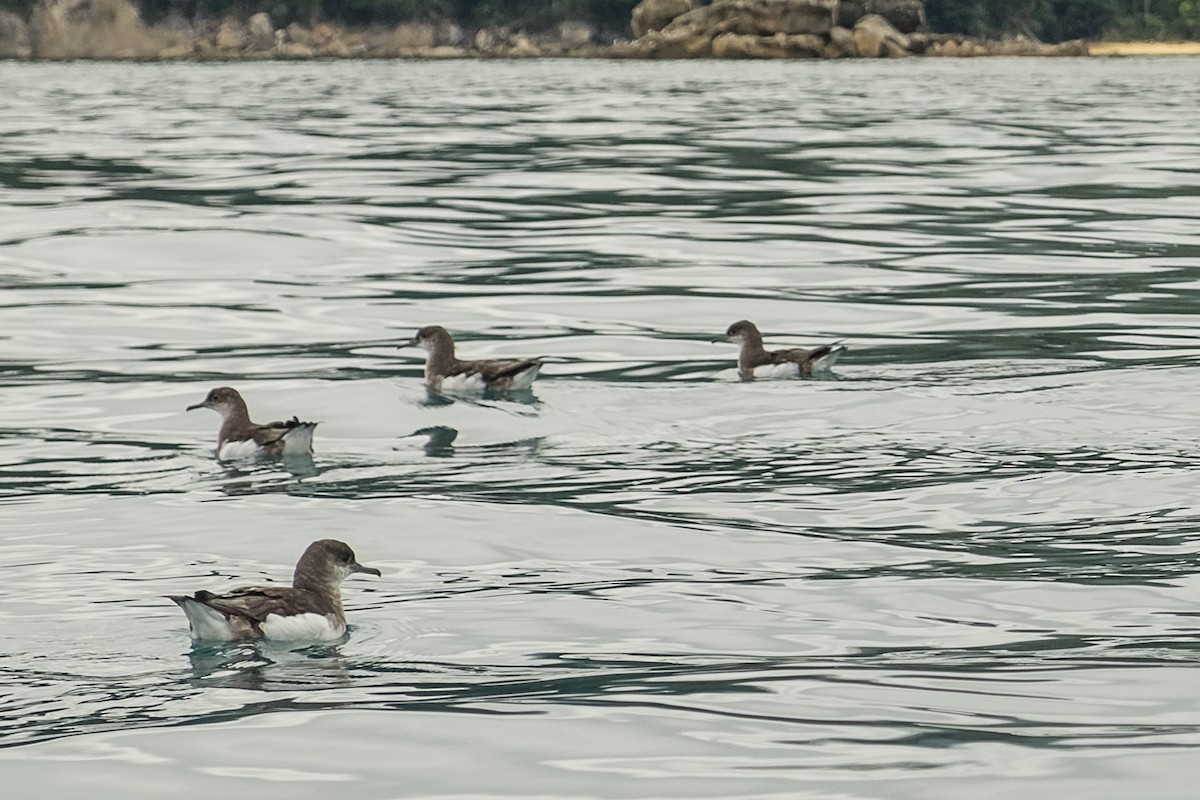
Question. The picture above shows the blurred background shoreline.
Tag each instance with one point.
(610, 29)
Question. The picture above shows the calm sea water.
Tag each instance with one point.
(964, 565)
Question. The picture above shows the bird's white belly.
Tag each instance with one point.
(233, 451)
(463, 382)
(209, 624)
(307, 627)
(769, 371)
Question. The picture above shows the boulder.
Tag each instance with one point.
(654, 15)
(260, 33)
(905, 15)
(841, 44)
(231, 36)
(897, 48)
(741, 45)
(874, 37)
(485, 40)
(919, 42)
(298, 34)
(14, 36)
(323, 35)
(523, 47)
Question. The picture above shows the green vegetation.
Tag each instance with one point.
(1057, 20)
(533, 14)
(1049, 20)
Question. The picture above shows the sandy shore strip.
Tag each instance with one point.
(1144, 48)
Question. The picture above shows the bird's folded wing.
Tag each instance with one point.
(494, 370)
(797, 356)
(274, 431)
(253, 603)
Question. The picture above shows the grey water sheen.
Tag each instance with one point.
(964, 565)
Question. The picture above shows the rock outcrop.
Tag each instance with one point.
(845, 29)
(664, 28)
(760, 27)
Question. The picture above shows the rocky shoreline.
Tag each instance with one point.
(662, 29)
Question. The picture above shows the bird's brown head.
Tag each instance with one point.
(434, 337)
(224, 400)
(326, 562)
(741, 331)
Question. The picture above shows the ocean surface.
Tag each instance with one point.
(966, 564)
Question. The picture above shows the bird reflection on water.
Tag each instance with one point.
(441, 440)
(489, 398)
(267, 666)
(256, 477)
